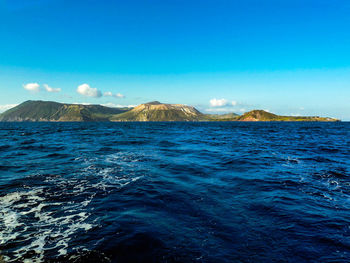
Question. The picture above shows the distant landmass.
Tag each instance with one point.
(35, 111)
(261, 115)
(54, 111)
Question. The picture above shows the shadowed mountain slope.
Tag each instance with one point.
(54, 111)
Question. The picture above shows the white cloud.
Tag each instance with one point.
(112, 105)
(218, 110)
(108, 104)
(50, 89)
(82, 103)
(86, 90)
(7, 107)
(228, 109)
(224, 105)
(110, 94)
(218, 102)
(34, 87)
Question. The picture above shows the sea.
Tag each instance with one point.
(175, 192)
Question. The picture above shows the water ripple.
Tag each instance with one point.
(174, 192)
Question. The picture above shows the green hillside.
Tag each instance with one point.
(222, 117)
(54, 111)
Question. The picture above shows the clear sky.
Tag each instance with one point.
(285, 56)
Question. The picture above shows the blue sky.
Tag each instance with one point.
(289, 57)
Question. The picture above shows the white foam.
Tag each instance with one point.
(56, 223)
(11, 198)
(48, 224)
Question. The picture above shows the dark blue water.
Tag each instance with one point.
(175, 192)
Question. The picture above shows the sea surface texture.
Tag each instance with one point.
(175, 192)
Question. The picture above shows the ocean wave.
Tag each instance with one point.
(50, 216)
(174, 192)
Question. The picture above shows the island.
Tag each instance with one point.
(49, 111)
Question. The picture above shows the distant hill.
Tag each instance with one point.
(156, 111)
(222, 117)
(261, 115)
(152, 111)
(54, 111)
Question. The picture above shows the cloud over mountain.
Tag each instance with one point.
(34, 87)
(224, 105)
(7, 107)
(86, 90)
(50, 89)
(110, 94)
(218, 102)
